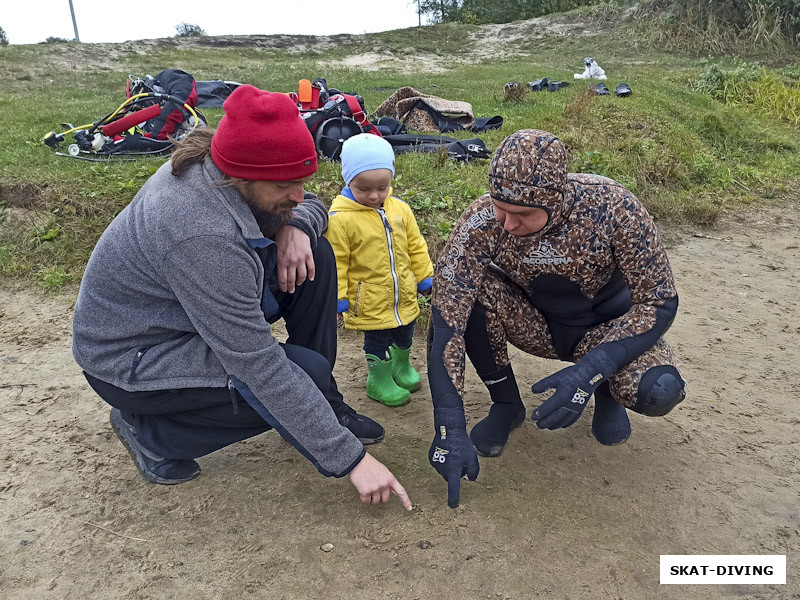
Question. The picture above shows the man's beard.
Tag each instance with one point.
(270, 221)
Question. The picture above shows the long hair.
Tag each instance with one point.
(191, 150)
(194, 148)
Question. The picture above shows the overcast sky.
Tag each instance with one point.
(32, 21)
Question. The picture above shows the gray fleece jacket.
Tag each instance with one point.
(171, 298)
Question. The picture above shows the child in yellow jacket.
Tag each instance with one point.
(382, 263)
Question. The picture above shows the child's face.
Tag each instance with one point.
(371, 188)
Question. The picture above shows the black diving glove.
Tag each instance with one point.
(452, 453)
(574, 385)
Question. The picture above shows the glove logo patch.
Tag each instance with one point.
(595, 379)
(440, 454)
(443, 432)
(580, 396)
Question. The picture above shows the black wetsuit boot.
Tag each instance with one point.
(490, 435)
(610, 424)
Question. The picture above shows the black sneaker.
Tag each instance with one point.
(154, 468)
(365, 429)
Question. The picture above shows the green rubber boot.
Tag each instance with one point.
(402, 371)
(380, 385)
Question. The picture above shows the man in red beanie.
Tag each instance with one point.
(172, 322)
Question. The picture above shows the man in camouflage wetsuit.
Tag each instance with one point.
(562, 266)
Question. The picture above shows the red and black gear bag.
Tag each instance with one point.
(317, 104)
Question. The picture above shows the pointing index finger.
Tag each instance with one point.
(453, 490)
(399, 491)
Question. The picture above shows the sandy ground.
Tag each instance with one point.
(557, 516)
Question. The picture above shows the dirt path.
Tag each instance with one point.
(557, 516)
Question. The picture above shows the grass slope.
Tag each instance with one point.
(686, 155)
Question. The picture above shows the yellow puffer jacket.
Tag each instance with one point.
(382, 262)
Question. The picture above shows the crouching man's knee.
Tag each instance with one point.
(660, 390)
(313, 363)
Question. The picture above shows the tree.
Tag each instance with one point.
(504, 11)
(441, 11)
(3, 37)
(189, 30)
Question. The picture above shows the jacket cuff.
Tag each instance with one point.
(425, 284)
(305, 228)
(352, 466)
(342, 306)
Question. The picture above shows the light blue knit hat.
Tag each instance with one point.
(364, 152)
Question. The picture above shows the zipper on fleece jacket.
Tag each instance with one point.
(234, 398)
(388, 230)
(136, 360)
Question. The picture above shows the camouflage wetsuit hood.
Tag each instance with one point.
(530, 169)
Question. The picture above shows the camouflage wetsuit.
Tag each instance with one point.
(595, 276)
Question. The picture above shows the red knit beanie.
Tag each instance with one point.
(262, 137)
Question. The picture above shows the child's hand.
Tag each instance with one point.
(426, 293)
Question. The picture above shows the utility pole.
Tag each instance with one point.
(74, 23)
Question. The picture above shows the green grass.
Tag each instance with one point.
(687, 155)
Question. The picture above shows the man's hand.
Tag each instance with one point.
(295, 259)
(375, 483)
(574, 385)
(452, 453)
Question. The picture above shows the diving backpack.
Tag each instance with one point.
(331, 116)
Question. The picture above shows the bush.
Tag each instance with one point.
(3, 37)
(752, 86)
(189, 30)
(720, 84)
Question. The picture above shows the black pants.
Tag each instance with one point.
(378, 341)
(310, 315)
(192, 422)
